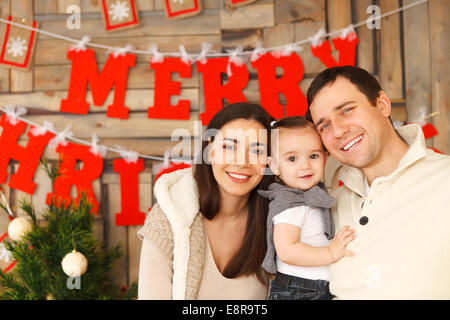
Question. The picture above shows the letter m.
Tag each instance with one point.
(85, 71)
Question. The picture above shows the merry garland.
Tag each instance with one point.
(115, 74)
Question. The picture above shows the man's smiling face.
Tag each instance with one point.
(351, 128)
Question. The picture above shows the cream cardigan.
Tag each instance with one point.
(174, 227)
(402, 246)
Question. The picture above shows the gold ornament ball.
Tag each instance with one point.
(74, 264)
(50, 297)
(18, 227)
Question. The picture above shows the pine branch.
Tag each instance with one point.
(38, 273)
(26, 206)
(131, 293)
(52, 173)
(15, 291)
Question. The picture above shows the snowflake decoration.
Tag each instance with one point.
(17, 46)
(119, 10)
(5, 255)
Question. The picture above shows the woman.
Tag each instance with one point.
(206, 236)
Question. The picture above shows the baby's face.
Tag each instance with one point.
(300, 159)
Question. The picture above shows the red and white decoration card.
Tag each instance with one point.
(119, 14)
(237, 3)
(18, 44)
(178, 9)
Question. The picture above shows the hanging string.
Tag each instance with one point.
(185, 57)
(157, 57)
(48, 127)
(14, 113)
(196, 57)
(81, 45)
(6, 205)
(97, 149)
(116, 52)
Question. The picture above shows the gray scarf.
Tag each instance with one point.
(282, 197)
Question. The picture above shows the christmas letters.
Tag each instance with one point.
(114, 76)
(223, 78)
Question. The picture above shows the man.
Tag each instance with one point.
(388, 187)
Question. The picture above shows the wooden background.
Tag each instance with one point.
(408, 55)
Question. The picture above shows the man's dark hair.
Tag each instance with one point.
(362, 79)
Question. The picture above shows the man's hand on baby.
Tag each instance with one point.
(338, 246)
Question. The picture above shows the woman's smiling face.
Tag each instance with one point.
(239, 156)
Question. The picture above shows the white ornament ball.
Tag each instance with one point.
(18, 227)
(74, 264)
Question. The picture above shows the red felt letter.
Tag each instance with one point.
(288, 84)
(346, 48)
(214, 90)
(165, 87)
(81, 179)
(129, 189)
(28, 157)
(84, 71)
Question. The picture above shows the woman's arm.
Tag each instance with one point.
(291, 251)
(155, 274)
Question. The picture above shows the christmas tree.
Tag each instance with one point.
(59, 257)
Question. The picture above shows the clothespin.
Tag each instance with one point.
(185, 57)
(350, 30)
(257, 53)
(235, 58)
(40, 131)
(81, 45)
(97, 149)
(13, 113)
(156, 56)
(116, 52)
(287, 50)
(316, 40)
(206, 48)
(129, 155)
(60, 138)
(165, 164)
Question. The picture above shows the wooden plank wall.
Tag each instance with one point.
(408, 55)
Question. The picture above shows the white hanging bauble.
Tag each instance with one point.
(18, 227)
(74, 264)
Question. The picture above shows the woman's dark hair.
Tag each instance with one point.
(362, 79)
(250, 256)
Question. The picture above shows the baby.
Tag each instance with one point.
(299, 224)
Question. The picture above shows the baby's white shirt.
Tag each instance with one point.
(310, 221)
